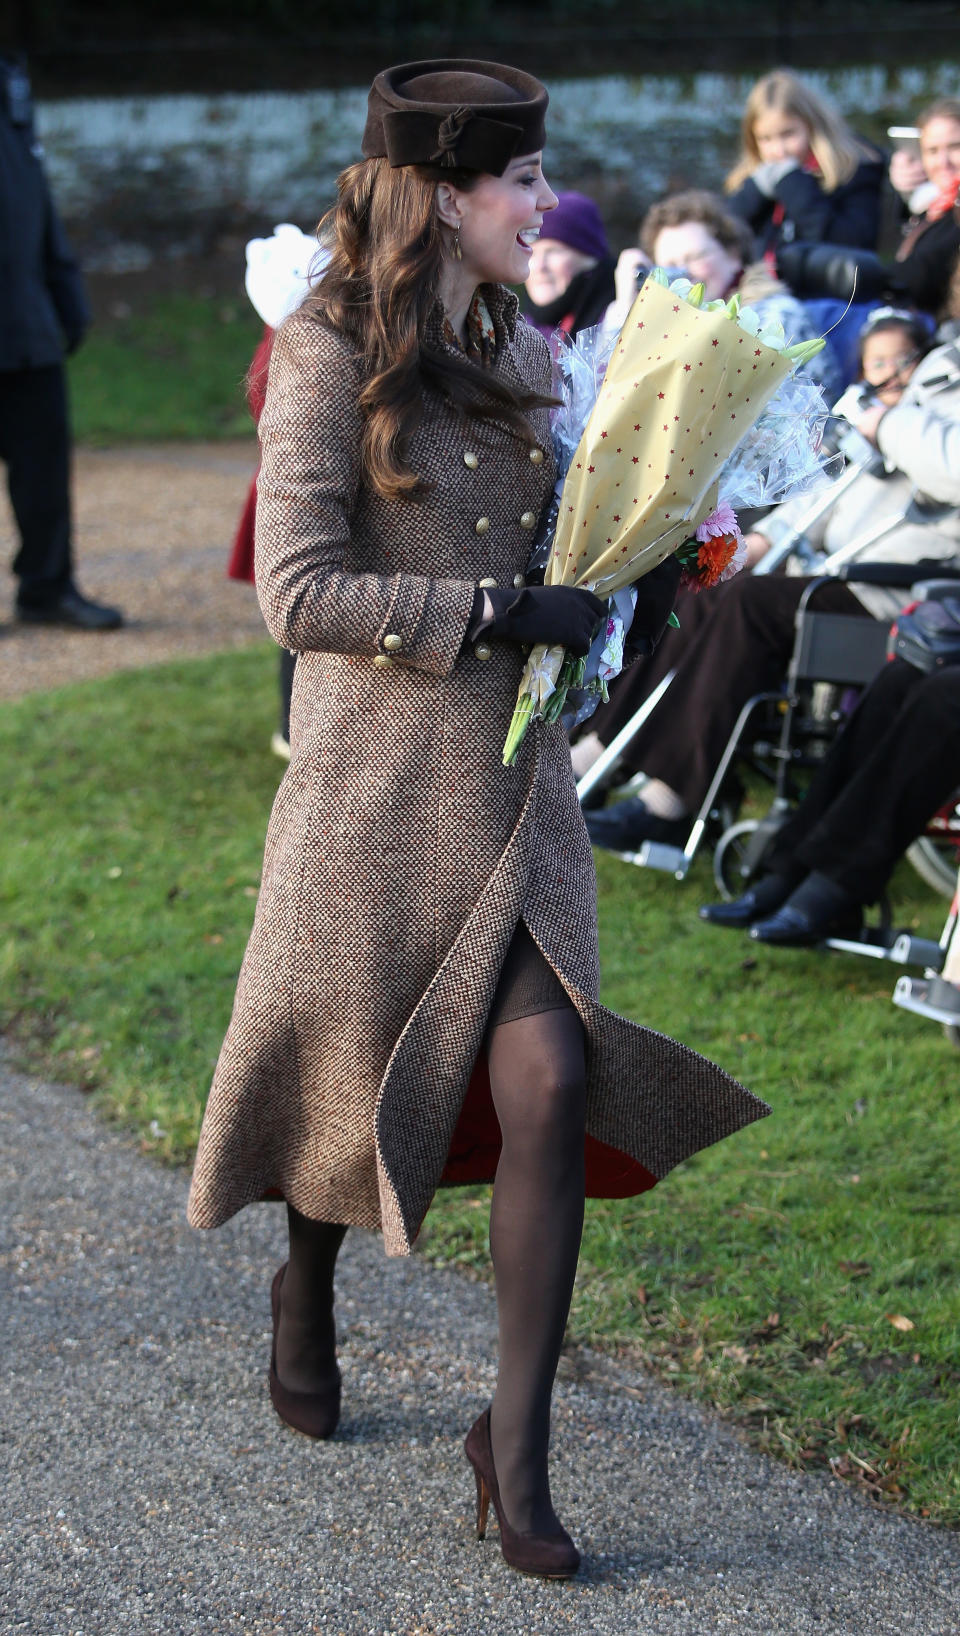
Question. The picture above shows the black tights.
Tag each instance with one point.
(306, 1334)
(537, 1081)
(538, 1085)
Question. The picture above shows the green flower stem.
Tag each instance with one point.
(571, 675)
(520, 721)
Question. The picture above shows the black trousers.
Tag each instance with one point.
(733, 642)
(893, 766)
(35, 447)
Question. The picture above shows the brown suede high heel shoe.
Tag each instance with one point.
(552, 1556)
(314, 1413)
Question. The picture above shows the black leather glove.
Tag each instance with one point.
(560, 615)
(656, 594)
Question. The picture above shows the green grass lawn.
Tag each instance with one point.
(173, 370)
(801, 1276)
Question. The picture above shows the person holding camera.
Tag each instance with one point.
(928, 251)
(695, 233)
(738, 639)
(927, 257)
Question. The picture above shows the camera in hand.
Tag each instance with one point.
(671, 272)
(815, 270)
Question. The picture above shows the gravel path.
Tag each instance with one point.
(149, 1487)
(154, 525)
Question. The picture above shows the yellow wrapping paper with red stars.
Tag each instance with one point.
(684, 384)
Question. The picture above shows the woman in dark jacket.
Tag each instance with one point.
(570, 283)
(928, 252)
(802, 174)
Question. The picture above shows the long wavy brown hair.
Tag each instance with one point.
(378, 289)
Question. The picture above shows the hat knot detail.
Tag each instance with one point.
(448, 135)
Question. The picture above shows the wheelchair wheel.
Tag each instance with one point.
(936, 863)
(728, 858)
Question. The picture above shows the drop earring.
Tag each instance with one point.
(457, 252)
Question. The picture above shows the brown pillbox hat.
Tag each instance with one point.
(454, 112)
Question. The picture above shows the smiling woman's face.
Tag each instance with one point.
(940, 150)
(553, 266)
(500, 221)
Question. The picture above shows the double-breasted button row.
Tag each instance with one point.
(528, 520)
(472, 460)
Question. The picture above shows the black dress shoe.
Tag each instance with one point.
(798, 928)
(753, 905)
(316, 1414)
(74, 609)
(625, 826)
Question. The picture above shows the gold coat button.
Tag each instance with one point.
(487, 584)
(528, 520)
(518, 582)
(483, 651)
(536, 455)
(382, 660)
(393, 642)
(483, 523)
(470, 459)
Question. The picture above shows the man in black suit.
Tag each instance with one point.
(43, 313)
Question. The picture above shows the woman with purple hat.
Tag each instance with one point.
(570, 283)
(419, 1002)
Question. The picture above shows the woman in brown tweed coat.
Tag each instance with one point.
(418, 1001)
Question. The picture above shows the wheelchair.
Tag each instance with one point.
(778, 739)
(933, 995)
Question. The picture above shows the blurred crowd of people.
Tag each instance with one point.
(802, 232)
(798, 234)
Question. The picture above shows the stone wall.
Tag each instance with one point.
(140, 177)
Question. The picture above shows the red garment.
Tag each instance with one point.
(944, 201)
(475, 1150)
(240, 565)
(779, 211)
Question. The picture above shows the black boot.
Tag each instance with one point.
(817, 909)
(756, 902)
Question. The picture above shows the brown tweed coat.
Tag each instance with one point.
(401, 852)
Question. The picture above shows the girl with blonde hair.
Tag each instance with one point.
(803, 175)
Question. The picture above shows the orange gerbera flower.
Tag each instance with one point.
(715, 556)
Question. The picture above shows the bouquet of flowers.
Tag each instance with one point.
(654, 450)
